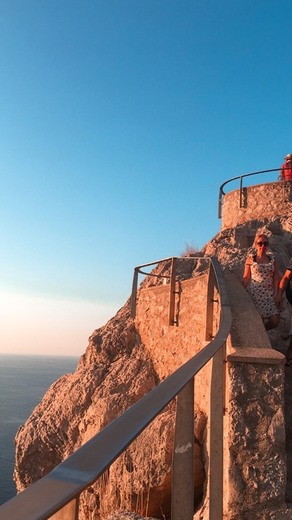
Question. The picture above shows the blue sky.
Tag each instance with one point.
(120, 119)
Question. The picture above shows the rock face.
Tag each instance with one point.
(116, 371)
(231, 246)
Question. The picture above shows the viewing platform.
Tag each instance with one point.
(259, 201)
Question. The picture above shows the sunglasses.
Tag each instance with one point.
(263, 244)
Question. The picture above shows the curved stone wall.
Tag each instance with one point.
(257, 202)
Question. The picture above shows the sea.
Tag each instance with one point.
(23, 382)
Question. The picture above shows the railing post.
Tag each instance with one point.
(217, 408)
(134, 293)
(240, 193)
(172, 292)
(69, 512)
(220, 202)
(182, 496)
(210, 303)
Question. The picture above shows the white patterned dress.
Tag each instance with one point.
(261, 287)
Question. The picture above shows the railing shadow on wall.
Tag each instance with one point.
(241, 187)
(56, 495)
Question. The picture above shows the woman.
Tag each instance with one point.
(261, 278)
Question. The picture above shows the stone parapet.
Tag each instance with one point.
(171, 346)
(256, 202)
(256, 434)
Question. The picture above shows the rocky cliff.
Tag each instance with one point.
(115, 371)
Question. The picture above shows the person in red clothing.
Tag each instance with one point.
(286, 170)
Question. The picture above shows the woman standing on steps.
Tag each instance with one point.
(261, 278)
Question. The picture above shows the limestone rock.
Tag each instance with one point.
(231, 247)
(114, 373)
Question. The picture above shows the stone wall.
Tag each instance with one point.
(255, 434)
(257, 202)
(171, 346)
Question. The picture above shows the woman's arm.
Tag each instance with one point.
(247, 273)
(276, 278)
(283, 284)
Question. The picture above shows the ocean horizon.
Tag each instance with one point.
(24, 379)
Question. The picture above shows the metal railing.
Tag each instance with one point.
(240, 177)
(57, 494)
(171, 278)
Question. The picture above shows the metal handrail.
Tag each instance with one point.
(171, 277)
(138, 270)
(222, 193)
(64, 484)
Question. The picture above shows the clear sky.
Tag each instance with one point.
(119, 121)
